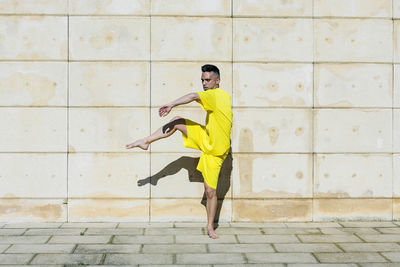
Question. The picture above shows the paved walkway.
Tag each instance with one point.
(186, 244)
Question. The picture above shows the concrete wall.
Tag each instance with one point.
(315, 86)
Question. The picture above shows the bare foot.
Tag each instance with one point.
(141, 143)
(211, 233)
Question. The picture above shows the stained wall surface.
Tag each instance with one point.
(315, 88)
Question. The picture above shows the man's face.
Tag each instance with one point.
(209, 81)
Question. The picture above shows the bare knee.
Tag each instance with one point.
(210, 192)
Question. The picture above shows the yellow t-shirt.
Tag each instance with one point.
(217, 103)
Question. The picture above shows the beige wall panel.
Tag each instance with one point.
(97, 38)
(108, 175)
(174, 143)
(191, 7)
(170, 169)
(33, 7)
(271, 8)
(396, 175)
(271, 210)
(396, 209)
(272, 176)
(396, 96)
(351, 130)
(352, 209)
(108, 210)
(353, 85)
(396, 36)
(353, 8)
(33, 210)
(265, 39)
(33, 84)
(273, 85)
(33, 129)
(272, 130)
(106, 129)
(107, 7)
(184, 38)
(170, 80)
(23, 37)
(396, 130)
(29, 175)
(109, 84)
(191, 210)
(353, 40)
(345, 175)
(396, 8)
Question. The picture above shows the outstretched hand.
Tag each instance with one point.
(164, 110)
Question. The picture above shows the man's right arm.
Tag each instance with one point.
(164, 110)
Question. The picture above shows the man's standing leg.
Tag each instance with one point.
(212, 202)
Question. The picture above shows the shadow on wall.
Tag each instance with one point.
(189, 164)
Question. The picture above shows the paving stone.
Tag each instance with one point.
(107, 248)
(15, 258)
(379, 264)
(67, 259)
(392, 256)
(33, 225)
(209, 258)
(174, 265)
(322, 265)
(307, 248)
(368, 224)
(251, 265)
(344, 231)
(173, 231)
(258, 225)
(140, 239)
(116, 231)
(42, 265)
(3, 248)
(138, 259)
(54, 231)
(202, 239)
(240, 248)
(390, 238)
(23, 239)
(268, 239)
(79, 239)
(364, 247)
(312, 224)
(238, 231)
(88, 225)
(328, 238)
(349, 257)
(388, 230)
(145, 225)
(290, 231)
(175, 248)
(280, 258)
(12, 231)
(42, 248)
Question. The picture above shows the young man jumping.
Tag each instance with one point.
(213, 139)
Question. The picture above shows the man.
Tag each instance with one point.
(213, 140)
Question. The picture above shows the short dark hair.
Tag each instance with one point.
(210, 68)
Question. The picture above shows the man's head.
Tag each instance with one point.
(210, 77)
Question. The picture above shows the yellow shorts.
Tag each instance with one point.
(209, 165)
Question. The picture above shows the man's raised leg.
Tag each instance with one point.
(211, 206)
(177, 123)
